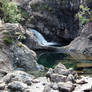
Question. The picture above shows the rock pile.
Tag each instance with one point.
(59, 79)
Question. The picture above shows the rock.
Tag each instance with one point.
(5, 64)
(39, 87)
(85, 85)
(61, 74)
(2, 86)
(84, 41)
(70, 78)
(23, 57)
(65, 87)
(17, 86)
(59, 69)
(82, 81)
(55, 86)
(48, 74)
(20, 55)
(57, 78)
(18, 76)
(31, 40)
(35, 81)
(48, 89)
(60, 66)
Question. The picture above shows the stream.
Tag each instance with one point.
(82, 64)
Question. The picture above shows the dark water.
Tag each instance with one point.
(81, 63)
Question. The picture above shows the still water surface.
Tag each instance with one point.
(82, 64)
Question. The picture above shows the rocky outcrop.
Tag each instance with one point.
(14, 54)
(83, 43)
(54, 19)
(24, 58)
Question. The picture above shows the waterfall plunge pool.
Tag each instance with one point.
(80, 63)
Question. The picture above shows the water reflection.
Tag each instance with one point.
(81, 63)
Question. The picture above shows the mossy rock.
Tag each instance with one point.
(7, 40)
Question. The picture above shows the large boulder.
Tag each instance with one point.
(83, 43)
(18, 76)
(24, 58)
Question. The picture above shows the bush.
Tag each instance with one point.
(11, 12)
(83, 14)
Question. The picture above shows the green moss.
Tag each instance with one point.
(6, 33)
(7, 40)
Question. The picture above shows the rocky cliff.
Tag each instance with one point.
(54, 19)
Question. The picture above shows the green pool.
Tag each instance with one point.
(81, 63)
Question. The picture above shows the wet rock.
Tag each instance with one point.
(66, 87)
(31, 40)
(18, 76)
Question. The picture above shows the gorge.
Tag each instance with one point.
(45, 46)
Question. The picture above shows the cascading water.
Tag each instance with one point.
(41, 39)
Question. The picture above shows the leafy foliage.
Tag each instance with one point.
(84, 14)
(11, 11)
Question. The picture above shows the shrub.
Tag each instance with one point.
(83, 14)
(11, 12)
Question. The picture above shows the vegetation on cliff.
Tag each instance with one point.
(11, 12)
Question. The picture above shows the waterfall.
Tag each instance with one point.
(41, 39)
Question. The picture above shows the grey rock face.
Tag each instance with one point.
(83, 43)
(23, 57)
(54, 19)
(20, 55)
